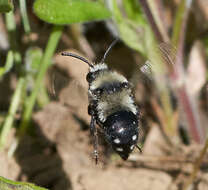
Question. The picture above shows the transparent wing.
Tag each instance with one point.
(65, 88)
(168, 56)
(147, 69)
(168, 53)
(58, 80)
(70, 92)
(147, 72)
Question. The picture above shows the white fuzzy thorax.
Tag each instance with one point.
(112, 103)
(100, 66)
(107, 77)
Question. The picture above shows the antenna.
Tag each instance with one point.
(78, 57)
(109, 48)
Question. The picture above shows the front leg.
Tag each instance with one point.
(93, 131)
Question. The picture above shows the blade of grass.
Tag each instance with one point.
(45, 63)
(8, 64)
(12, 111)
(9, 61)
(11, 27)
(23, 11)
(43, 98)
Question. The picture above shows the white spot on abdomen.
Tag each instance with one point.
(134, 137)
(121, 130)
(119, 149)
(132, 147)
(117, 141)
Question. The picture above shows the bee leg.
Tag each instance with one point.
(140, 150)
(93, 131)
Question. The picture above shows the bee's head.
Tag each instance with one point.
(121, 129)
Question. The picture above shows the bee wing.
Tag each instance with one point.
(147, 69)
(62, 87)
(69, 92)
(168, 56)
(168, 53)
(142, 73)
(57, 81)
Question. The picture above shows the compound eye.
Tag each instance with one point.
(90, 77)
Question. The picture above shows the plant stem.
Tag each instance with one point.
(178, 23)
(42, 98)
(10, 22)
(81, 40)
(191, 114)
(178, 74)
(12, 111)
(158, 13)
(11, 27)
(151, 20)
(196, 166)
(9, 61)
(23, 11)
(8, 65)
(162, 87)
(45, 63)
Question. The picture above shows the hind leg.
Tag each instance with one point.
(93, 131)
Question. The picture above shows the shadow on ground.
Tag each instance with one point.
(40, 162)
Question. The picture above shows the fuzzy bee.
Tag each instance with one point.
(112, 107)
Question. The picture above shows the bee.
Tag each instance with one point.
(112, 106)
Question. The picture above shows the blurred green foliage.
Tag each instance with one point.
(6, 6)
(70, 11)
(8, 65)
(133, 29)
(6, 184)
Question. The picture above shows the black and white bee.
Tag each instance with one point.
(112, 106)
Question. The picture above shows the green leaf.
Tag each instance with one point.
(6, 184)
(131, 32)
(6, 6)
(133, 11)
(70, 11)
